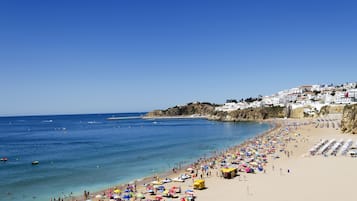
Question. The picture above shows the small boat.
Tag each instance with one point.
(35, 162)
(4, 159)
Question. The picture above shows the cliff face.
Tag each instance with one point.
(250, 114)
(331, 109)
(208, 110)
(297, 113)
(349, 119)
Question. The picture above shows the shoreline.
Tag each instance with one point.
(140, 182)
(286, 169)
(194, 116)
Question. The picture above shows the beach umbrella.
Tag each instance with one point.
(176, 189)
(117, 191)
(99, 196)
(166, 193)
(116, 196)
(254, 163)
(126, 196)
(140, 196)
(161, 188)
(158, 197)
(189, 192)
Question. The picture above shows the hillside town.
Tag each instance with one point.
(309, 97)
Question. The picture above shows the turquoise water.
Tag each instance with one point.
(89, 152)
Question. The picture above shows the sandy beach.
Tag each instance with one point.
(284, 170)
(309, 178)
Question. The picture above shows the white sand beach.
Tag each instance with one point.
(309, 178)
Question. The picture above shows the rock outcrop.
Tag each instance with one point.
(349, 119)
(208, 110)
(197, 108)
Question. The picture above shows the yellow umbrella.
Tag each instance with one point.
(117, 191)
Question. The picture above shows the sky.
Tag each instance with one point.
(75, 57)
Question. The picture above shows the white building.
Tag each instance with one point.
(342, 98)
(328, 98)
(231, 106)
(255, 104)
(271, 101)
(316, 87)
(352, 93)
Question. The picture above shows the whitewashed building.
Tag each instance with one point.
(342, 98)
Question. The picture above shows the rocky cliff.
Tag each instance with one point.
(208, 110)
(251, 114)
(197, 108)
(349, 119)
(331, 109)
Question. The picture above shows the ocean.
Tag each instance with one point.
(90, 152)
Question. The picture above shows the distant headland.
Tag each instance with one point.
(308, 101)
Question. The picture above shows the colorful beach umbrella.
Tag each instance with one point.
(140, 196)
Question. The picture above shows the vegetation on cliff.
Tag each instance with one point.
(349, 119)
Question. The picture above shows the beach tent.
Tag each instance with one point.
(229, 173)
(199, 184)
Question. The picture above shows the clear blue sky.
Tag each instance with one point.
(126, 56)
